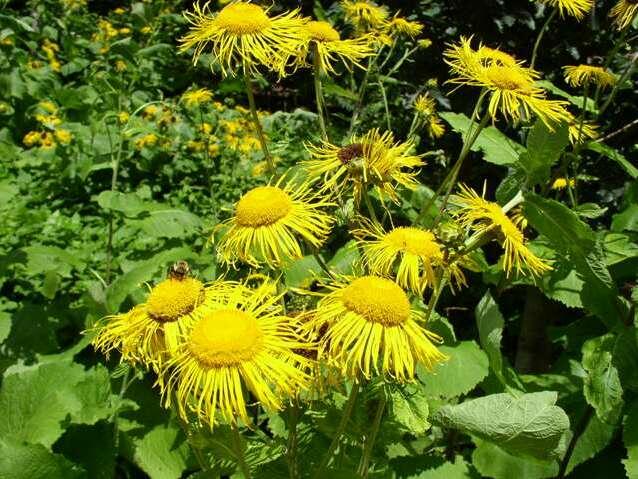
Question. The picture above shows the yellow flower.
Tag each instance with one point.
(150, 332)
(63, 136)
(425, 105)
(195, 145)
(364, 15)
(575, 8)
(579, 133)
(624, 13)
(424, 43)
(47, 140)
(50, 121)
(325, 42)
(238, 343)
(147, 140)
(401, 26)
(150, 111)
(213, 149)
(483, 217)
(242, 36)
(268, 221)
(579, 75)
(435, 127)
(120, 66)
(48, 106)
(119, 11)
(123, 117)
(206, 128)
(197, 97)
(124, 31)
(259, 169)
(146, 30)
(561, 183)
(511, 86)
(32, 138)
(368, 326)
(374, 159)
(413, 251)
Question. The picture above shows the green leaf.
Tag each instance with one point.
(492, 461)
(411, 410)
(564, 284)
(163, 452)
(344, 260)
(544, 148)
(530, 425)
(575, 240)
(630, 440)
(41, 259)
(142, 271)
(574, 100)
(466, 367)
(625, 357)
(92, 447)
(457, 469)
(596, 436)
(169, 223)
(614, 155)
(302, 272)
(34, 461)
(618, 248)
(35, 400)
(129, 204)
(490, 324)
(626, 220)
(602, 387)
(497, 148)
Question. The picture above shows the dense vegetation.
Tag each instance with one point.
(514, 191)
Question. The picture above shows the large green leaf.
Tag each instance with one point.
(625, 357)
(129, 204)
(34, 461)
(410, 410)
(303, 272)
(614, 155)
(602, 386)
(492, 461)
(496, 147)
(466, 367)
(544, 148)
(169, 223)
(162, 452)
(630, 439)
(578, 244)
(596, 436)
(530, 425)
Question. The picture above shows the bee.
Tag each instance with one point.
(179, 270)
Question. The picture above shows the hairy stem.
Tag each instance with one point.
(364, 466)
(540, 36)
(239, 452)
(319, 92)
(257, 123)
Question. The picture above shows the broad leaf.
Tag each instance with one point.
(544, 148)
(492, 461)
(34, 461)
(630, 439)
(602, 386)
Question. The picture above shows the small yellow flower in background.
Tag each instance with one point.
(149, 112)
(511, 86)
(145, 141)
(561, 183)
(149, 332)
(368, 327)
(206, 128)
(574, 8)
(123, 117)
(364, 15)
(48, 106)
(259, 169)
(31, 139)
(325, 41)
(124, 31)
(413, 251)
(74, 4)
(242, 37)
(8, 41)
(268, 221)
(120, 66)
(482, 216)
(401, 26)
(197, 97)
(425, 106)
(119, 11)
(424, 43)
(63, 136)
(50, 121)
(624, 13)
(146, 30)
(435, 127)
(195, 145)
(47, 140)
(239, 342)
(213, 149)
(579, 75)
(373, 159)
(579, 133)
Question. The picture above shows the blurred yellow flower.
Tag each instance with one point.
(401, 26)
(123, 117)
(146, 141)
(197, 97)
(624, 13)
(575, 8)
(580, 75)
(63, 136)
(364, 15)
(561, 183)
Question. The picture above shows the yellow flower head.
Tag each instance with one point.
(511, 87)
(435, 127)
(364, 15)
(325, 42)
(624, 13)
(575, 8)
(237, 343)
(197, 97)
(413, 252)
(425, 105)
(269, 220)
(48, 106)
(150, 332)
(581, 132)
(32, 138)
(63, 136)
(368, 326)
(47, 140)
(482, 217)
(579, 75)
(373, 159)
(400, 26)
(561, 183)
(242, 36)
(148, 140)
(123, 117)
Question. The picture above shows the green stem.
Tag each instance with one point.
(609, 59)
(434, 299)
(385, 105)
(323, 264)
(369, 444)
(343, 423)
(627, 73)
(361, 96)
(370, 207)
(239, 452)
(319, 92)
(255, 117)
(114, 178)
(540, 36)
(291, 451)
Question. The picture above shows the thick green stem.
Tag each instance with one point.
(239, 452)
(371, 212)
(343, 423)
(319, 92)
(627, 73)
(291, 451)
(114, 178)
(362, 93)
(364, 466)
(540, 36)
(257, 123)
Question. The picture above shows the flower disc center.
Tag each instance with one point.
(227, 337)
(262, 206)
(350, 152)
(174, 298)
(242, 19)
(415, 241)
(378, 300)
(507, 78)
(322, 32)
